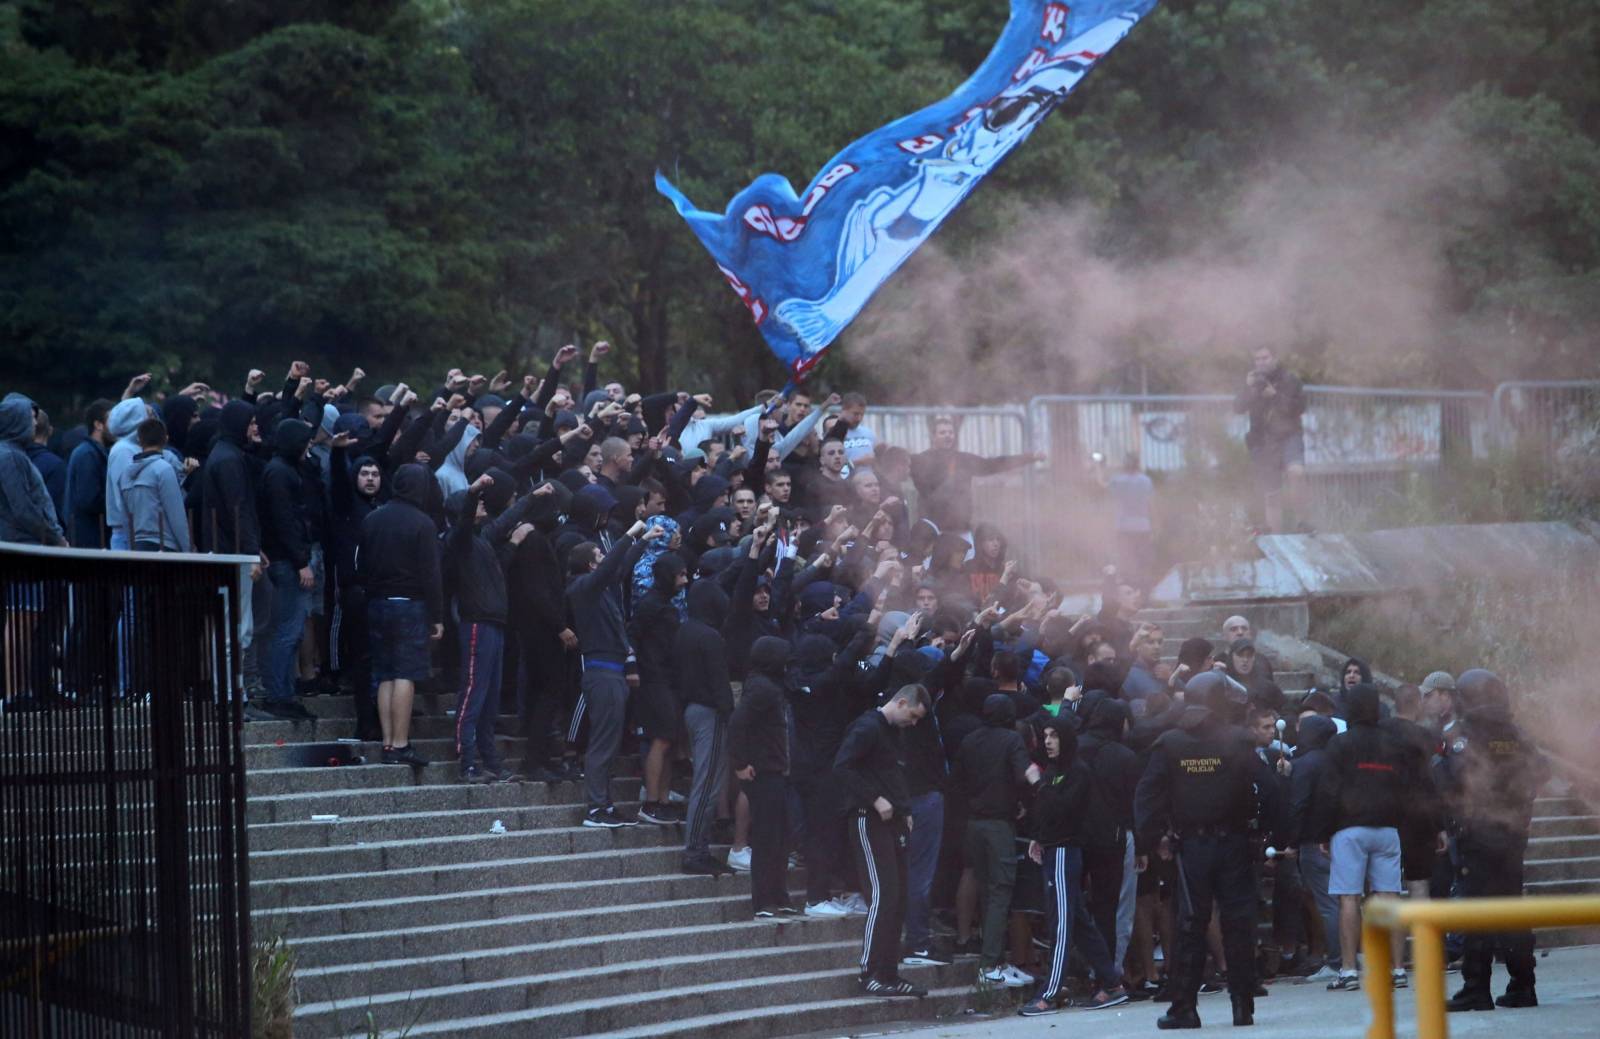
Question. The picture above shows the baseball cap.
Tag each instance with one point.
(1438, 680)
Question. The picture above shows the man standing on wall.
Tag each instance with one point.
(1275, 401)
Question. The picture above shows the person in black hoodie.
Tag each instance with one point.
(1310, 761)
(653, 629)
(1066, 818)
(1109, 865)
(991, 771)
(700, 673)
(1372, 773)
(286, 542)
(229, 521)
(594, 601)
(871, 767)
(547, 670)
(353, 493)
(487, 530)
(398, 566)
(819, 697)
(758, 751)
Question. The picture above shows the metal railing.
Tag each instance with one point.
(1428, 920)
(124, 899)
(1543, 419)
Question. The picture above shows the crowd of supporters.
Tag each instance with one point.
(818, 656)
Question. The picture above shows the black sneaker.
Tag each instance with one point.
(654, 812)
(897, 987)
(705, 867)
(254, 712)
(288, 710)
(924, 958)
(502, 774)
(1211, 986)
(1112, 997)
(571, 770)
(477, 776)
(389, 757)
(971, 947)
(1350, 982)
(408, 755)
(766, 913)
(607, 818)
(788, 910)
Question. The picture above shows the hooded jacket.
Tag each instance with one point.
(476, 555)
(122, 423)
(86, 494)
(699, 656)
(348, 510)
(27, 515)
(758, 733)
(822, 674)
(1372, 772)
(153, 503)
(1114, 765)
(53, 471)
(1341, 695)
(228, 519)
(286, 529)
(537, 579)
(652, 632)
(1061, 813)
(399, 553)
(992, 764)
(1310, 761)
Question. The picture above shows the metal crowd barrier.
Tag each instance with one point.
(1427, 921)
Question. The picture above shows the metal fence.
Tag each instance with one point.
(1544, 420)
(124, 906)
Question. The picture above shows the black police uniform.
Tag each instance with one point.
(1204, 784)
(1489, 775)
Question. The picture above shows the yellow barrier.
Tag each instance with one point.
(1428, 920)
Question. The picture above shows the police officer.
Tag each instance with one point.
(1489, 775)
(1202, 789)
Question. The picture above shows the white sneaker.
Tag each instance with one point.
(1400, 980)
(1005, 975)
(739, 860)
(854, 904)
(1016, 978)
(827, 907)
(1323, 973)
(675, 798)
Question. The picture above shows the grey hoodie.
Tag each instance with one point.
(27, 515)
(153, 503)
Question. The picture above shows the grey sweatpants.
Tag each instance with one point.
(606, 695)
(1314, 869)
(707, 729)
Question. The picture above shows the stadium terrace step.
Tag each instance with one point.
(833, 1015)
(434, 748)
(545, 992)
(588, 1017)
(261, 733)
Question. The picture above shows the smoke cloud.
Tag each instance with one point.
(1333, 254)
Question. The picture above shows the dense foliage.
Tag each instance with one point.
(195, 188)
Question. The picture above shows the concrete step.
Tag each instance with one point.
(1566, 937)
(1578, 886)
(429, 880)
(424, 726)
(411, 853)
(294, 805)
(441, 750)
(266, 782)
(1547, 807)
(372, 828)
(860, 1014)
(343, 982)
(733, 996)
(1583, 846)
(457, 925)
(1566, 826)
(619, 982)
(1574, 868)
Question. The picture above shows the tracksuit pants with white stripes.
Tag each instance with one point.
(707, 735)
(1074, 927)
(881, 851)
(483, 650)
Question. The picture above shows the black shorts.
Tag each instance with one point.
(1417, 852)
(401, 639)
(1271, 458)
(657, 711)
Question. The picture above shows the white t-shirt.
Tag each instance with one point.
(859, 443)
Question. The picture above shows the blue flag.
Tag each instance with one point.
(806, 264)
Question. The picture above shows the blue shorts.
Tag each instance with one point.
(401, 646)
